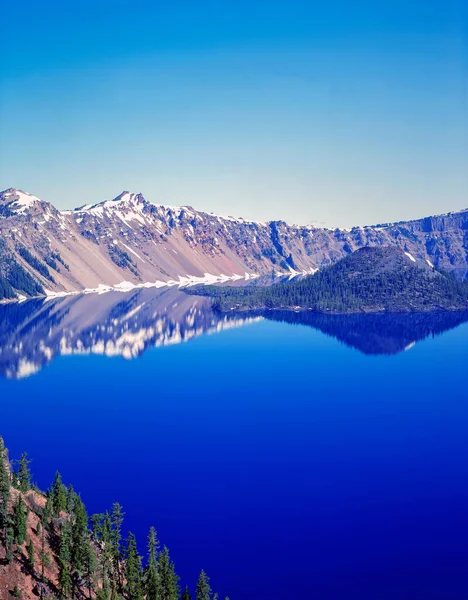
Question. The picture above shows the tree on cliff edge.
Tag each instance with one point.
(4, 491)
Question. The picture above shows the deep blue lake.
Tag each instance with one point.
(318, 458)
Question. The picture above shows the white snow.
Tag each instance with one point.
(136, 202)
(125, 286)
(22, 200)
(133, 252)
(50, 294)
(26, 368)
(181, 281)
(410, 256)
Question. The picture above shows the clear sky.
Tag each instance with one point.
(332, 112)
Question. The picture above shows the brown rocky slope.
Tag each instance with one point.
(131, 240)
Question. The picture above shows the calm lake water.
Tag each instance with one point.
(291, 457)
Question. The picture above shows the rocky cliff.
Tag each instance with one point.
(129, 242)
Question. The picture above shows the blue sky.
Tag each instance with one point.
(335, 113)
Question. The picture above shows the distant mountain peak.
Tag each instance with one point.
(17, 200)
(127, 196)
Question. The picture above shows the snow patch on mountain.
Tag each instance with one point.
(20, 200)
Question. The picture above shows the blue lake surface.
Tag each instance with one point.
(283, 461)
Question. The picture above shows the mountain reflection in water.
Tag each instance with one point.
(33, 333)
(382, 333)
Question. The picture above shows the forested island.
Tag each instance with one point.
(370, 280)
(50, 549)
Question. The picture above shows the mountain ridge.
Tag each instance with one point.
(370, 280)
(130, 242)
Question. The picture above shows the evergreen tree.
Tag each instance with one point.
(19, 521)
(31, 558)
(64, 579)
(58, 495)
(65, 542)
(133, 579)
(97, 526)
(9, 540)
(71, 499)
(203, 589)
(5, 491)
(168, 580)
(107, 529)
(102, 593)
(24, 474)
(116, 537)
(107, 555)
(151, 579)
(90, 566)
(49, 510)
(186, 595)
(79, 539)
(90, 561)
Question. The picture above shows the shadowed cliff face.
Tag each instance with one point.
(375, 333)
(33, 333)
(129, 239)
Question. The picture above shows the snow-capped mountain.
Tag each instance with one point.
(129, 242)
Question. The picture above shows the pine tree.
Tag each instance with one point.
(49, 509)
(133, 579)
(103, 593)
(203, 589)
(9, 540)
(5, 492)
(107, 529)
(19, 521)
(31, 558)
(65, 542)
(97, 525)
(24, 474)
(107, 555)
(58, 495)
(79, 538)
(72, 497)
(116, 537)
(64, 579)
(90, 566)
(151, 579)
(168, 580)
(186, 595)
